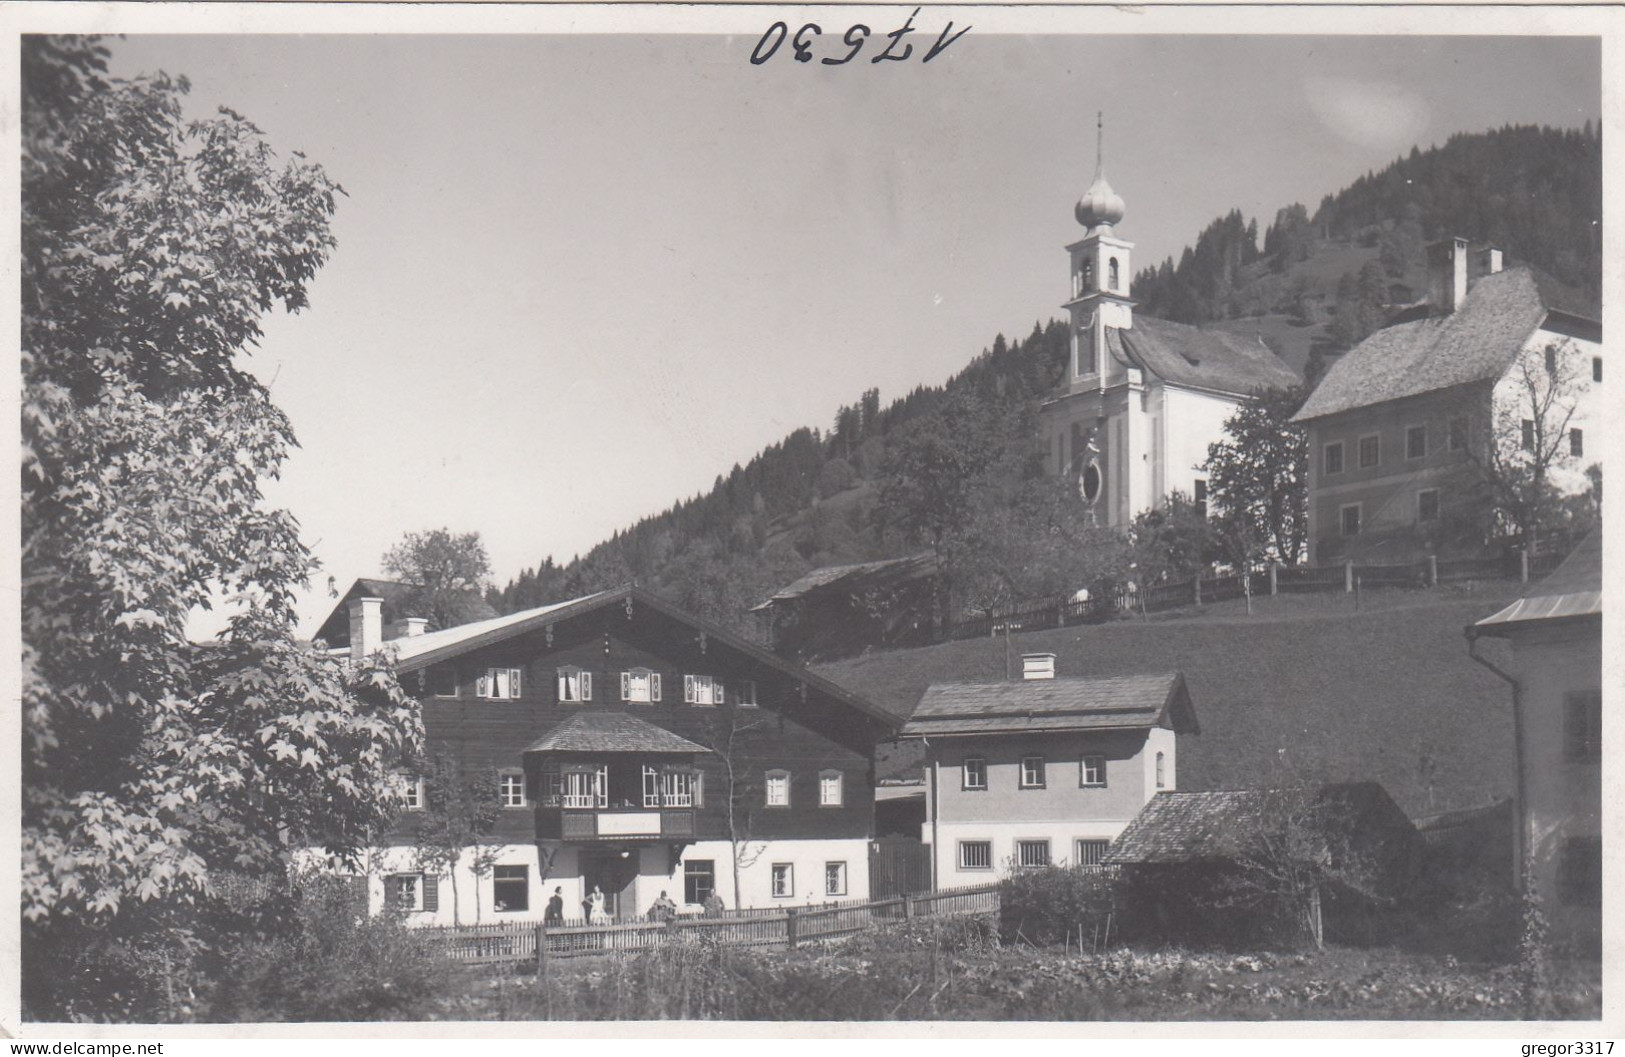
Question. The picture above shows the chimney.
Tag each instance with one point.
(1037, 666)
(1447, 275)
(407, 627)
(1488, 261)
(366, 626)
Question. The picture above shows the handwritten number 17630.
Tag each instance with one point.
(802, 43)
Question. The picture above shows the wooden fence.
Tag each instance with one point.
(1522, 565)
(771, 927)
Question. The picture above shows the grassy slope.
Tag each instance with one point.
(1370, 695)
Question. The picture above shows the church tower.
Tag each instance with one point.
(1101, 266)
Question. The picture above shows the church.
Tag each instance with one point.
(1143, 397)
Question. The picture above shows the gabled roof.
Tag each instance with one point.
(1132, 702)
(1222, 825)
(857, 577)
(411, 652)
(1203, 359)
(399, 598)
(420, 651)
(1475, 343)
(612, 732)
(1572, 591)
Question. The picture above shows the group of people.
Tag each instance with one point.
(594, 908)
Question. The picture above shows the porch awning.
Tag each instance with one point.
(612, 732)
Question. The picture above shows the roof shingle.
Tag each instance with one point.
(612, 732)
(1206, 359)
(1053, 705)
(1222, 825)
(1475, 343)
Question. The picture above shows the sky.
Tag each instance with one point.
(579, 276)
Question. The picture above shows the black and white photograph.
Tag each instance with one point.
(796, 518)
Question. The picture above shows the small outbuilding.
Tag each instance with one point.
(1255, 865)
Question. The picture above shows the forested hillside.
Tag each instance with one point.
(808, 501)
(1311, 287)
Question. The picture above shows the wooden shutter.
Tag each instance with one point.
(654, 686)
(482, 685)
(586, 686)
(431, 892)
(515, 681)
(716, 691)
(626, 686)
(688, 689)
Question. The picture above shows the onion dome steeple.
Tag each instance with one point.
(1100, 207)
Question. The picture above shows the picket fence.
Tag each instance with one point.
(773, 927)
(1348, 576)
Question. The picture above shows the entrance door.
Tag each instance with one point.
(615, 875)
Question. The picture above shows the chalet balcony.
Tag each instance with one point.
(614, 823)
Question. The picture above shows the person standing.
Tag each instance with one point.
(554, 915)
(597, 915)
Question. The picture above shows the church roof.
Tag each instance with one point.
(1204, 359)
(1478, 342)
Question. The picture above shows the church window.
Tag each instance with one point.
(1113, 282)
(1200, 497)
(1577, 446)
(1091, 482)
(1086, 275)
(1596, 368)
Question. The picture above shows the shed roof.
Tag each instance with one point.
(1475, 343)
(1131, 702)
(1572, 591)
(1205, 359)
(612, 732)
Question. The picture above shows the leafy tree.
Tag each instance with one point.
(450, 569)
(152, 246)
(459, 816)
(1527, 462)
(1258, 479)
(1028, 539)
(1173, 541)
(1359, 311)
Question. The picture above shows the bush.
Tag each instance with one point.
(1047, 905)
(328, 960)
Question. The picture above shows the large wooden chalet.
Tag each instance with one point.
(634, 749)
